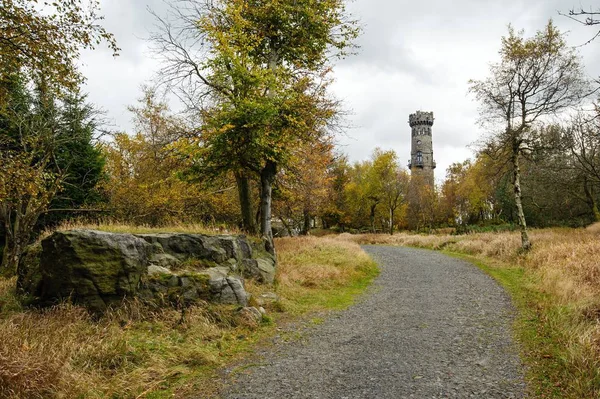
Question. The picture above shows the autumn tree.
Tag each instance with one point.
(39, 47)
(257, 71)
(423, 204)
(468, 193)
(146, 183)
(373, 186)
(358, 192)
(365, 190)
(392, 181)
(371, 192)
(335, 212)
(536, 78)
(303, 187)
(43, 41)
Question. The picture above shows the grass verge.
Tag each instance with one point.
(556, 289)
(136, 352)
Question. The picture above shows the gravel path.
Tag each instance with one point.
(431, 327)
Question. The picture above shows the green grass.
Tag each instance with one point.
(338, 299)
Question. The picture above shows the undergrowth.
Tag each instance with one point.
(137, 352)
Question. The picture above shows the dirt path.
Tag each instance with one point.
(431, 327)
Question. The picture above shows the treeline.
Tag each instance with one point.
(560, 180)
(152, 178)
(256, 141)
(254, 76)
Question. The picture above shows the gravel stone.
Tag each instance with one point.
(430, 327)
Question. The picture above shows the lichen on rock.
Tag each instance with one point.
(99, 269)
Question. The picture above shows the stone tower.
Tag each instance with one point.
(421, 162)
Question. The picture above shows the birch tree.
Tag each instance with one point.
(536, 78)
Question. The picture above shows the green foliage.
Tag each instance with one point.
(266, 76)
(49, 161)
(42, 130)
(80, 158)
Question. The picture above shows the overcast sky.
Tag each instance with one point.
(414, 55)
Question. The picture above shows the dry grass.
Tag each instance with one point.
(594, 228)
(318, 262)
(562, 285)
(311, 269)
(62, 352)
(136, 352)
(567, 260)
(116, 227)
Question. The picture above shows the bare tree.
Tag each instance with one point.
(582, 140)
(589, 17)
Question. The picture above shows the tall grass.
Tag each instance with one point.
(118, 227)
(561, 287)
(137, 352)
(311, 269)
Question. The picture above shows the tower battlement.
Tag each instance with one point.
(421, 118)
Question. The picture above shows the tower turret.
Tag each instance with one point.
(421, 156)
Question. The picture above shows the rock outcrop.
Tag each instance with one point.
(100, 269)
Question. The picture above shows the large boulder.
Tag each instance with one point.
(91, 267)
(100, 269)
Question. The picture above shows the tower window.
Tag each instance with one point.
(419, 157)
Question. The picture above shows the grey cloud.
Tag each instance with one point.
(414, 55)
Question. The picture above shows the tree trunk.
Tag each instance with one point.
(525, 243)
(372, 218)
(287, 226)
(11, 257)
(246, 205)
(591, 200)
(391, 221)
(267, 177)
(306, 224)
(13, 248)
